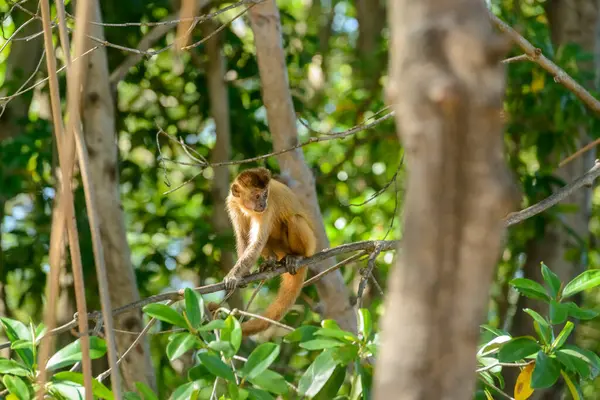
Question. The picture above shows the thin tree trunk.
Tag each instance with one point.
(266, 25)
(219, 109)
(446, 86)
(101, 140)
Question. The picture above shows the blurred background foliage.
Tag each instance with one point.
(337, 71)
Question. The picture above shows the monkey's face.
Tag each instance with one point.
(257, 200)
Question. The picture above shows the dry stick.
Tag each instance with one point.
(65, 216)
(367, 273)
(107, 373)
(75, 79)
(585, 148)
(337, 266)
(586, 179)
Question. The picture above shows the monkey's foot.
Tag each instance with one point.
(268, 265)
(231, 282)
(292, 263)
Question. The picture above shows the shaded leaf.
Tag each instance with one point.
(574, 362)
(530, 288)
(580, 313)
(338, 334)
(12, 367)
(541, 326)
(365, 323)
(258, 394)
(563, 335)
(186, 391)
(194, 307)
(546, 371)
(232, 333)
(573, 389)
(517, 349)
(558, 312)
(301, 334)
(146, 391)
(333, 384)
(270, 381)
(216, 366)
(319, 344)
(16, 330)
(212, 325)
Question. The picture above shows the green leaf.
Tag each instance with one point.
(98, 388)
(365, 323)
(198, 372)
(574, 389)
(21, 344)
(146, 391)
(345, 355)
(366, 379)
(68, 390)
(194, 307)
(179, 343)
(545, 372)
(584, 281)
(232, 333)
(260, 359)
(330, 324)
(558, 312)
(216, 366)
(574, 362)
(16, 330)
(71, 353)
(16, 386)
(541, 326)
(302, 334)
(221, 346)
(338, 334)
(493, 345)
(131, 396)
(580, 313)
(257, 394)
(530, 288)
(517, 349)
(317, 374)
(187, 390)
(551, 280)
(494, 331)
(165, 313)
(12, 367)
(319, 344)
(563, 335)
(212, 325)
(331, 388)
(270, 381)
(592, 358)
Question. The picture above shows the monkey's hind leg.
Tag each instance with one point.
(302, 242)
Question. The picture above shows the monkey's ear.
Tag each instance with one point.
(235, 190)
(264, 175)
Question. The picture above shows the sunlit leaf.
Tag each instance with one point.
(146, 391)
(71, 353)
(12, 367)
(573, 389)
(216, 366)
(260, 359)
(98, 388)
(232, 333)
(551, 280)
(270, 381)
(319, 344)
(530, 288)
(365, 323)
(587, 280)
(165, 313)
(563, 335)
(180, 343)
(317, 374)
(303, 333)
(16, 386)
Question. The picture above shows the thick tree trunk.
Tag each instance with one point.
(266, 25)
(219, 109)
(101, 140)
(446, 86)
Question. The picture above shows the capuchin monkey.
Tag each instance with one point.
(269, 220)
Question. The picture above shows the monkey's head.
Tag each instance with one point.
(251, 189)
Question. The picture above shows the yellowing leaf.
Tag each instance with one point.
(538, 82)
(488, 395)
(572, 389)
(11, 397)
(523, 388)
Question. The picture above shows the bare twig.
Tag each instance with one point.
(367, 273)
(65, 216)
(586, 179)
(534, 54)
(335, 267)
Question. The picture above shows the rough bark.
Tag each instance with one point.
(446, 86)
(101, 140)
(266, 26)
(21, 63)
(219, 109)
(369, 14)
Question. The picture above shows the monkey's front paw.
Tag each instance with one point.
(268, 265)
(231, 282)
(292, 263)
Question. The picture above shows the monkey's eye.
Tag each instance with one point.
(257, 196)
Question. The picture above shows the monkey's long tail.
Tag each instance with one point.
(289, 290)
